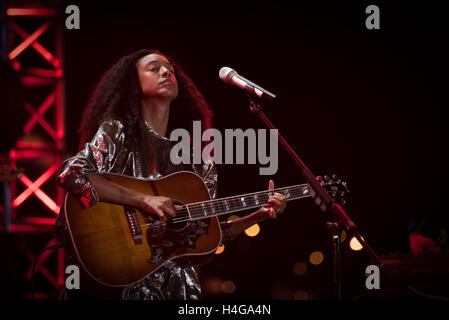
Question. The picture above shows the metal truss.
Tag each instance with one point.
(33, 46)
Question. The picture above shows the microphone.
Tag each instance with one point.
(230, 76)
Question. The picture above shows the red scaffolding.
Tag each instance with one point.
(33, 46)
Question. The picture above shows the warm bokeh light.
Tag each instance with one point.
(300, 268)
(355, 244)
(280, 292)
(316, 257)
(213, 285)
(233, 217)
(220, 249)
(253, 230)
(343, 236)
(301, 295)
(228, 286)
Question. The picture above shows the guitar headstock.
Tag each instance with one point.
(335, 187)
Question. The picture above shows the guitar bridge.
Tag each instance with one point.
(133, 223)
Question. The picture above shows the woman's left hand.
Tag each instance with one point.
(277, 203)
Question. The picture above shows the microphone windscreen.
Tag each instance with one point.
(225, 74)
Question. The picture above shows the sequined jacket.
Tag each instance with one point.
(106, 153)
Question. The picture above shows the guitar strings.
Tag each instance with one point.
(199, 209)
(197, 212)
(183, 215)
(186, 218)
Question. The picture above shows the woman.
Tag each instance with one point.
(124, 127)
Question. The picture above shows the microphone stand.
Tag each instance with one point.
(340, 220)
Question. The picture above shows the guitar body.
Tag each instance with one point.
(118, 245)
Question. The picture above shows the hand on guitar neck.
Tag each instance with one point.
(277, 204)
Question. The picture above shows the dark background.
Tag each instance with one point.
(365, 104)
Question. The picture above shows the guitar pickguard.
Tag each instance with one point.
(163, 240)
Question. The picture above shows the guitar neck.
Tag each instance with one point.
(211, 208)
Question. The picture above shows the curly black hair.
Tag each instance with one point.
(117, 96)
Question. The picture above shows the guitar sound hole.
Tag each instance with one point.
(176, 225)
(180, 221)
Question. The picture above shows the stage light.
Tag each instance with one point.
(316, 257)
(220, 249)
(300, 268)
(253, 230)
(228, 286)
(355, 244)
(16, 65)
(301, 295)
(11, 12)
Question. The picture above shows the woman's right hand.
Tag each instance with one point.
(162, 206)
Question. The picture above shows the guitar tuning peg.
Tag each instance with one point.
(334, 177)
(326, 178)
(318, 178)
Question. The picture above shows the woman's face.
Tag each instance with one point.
(157, 77)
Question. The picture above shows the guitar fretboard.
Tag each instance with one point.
(201, 210)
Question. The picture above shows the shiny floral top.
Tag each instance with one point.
(106, 153)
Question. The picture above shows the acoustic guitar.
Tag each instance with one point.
(119, 245)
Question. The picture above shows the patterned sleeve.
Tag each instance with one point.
(98, 156)
(208, 172)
